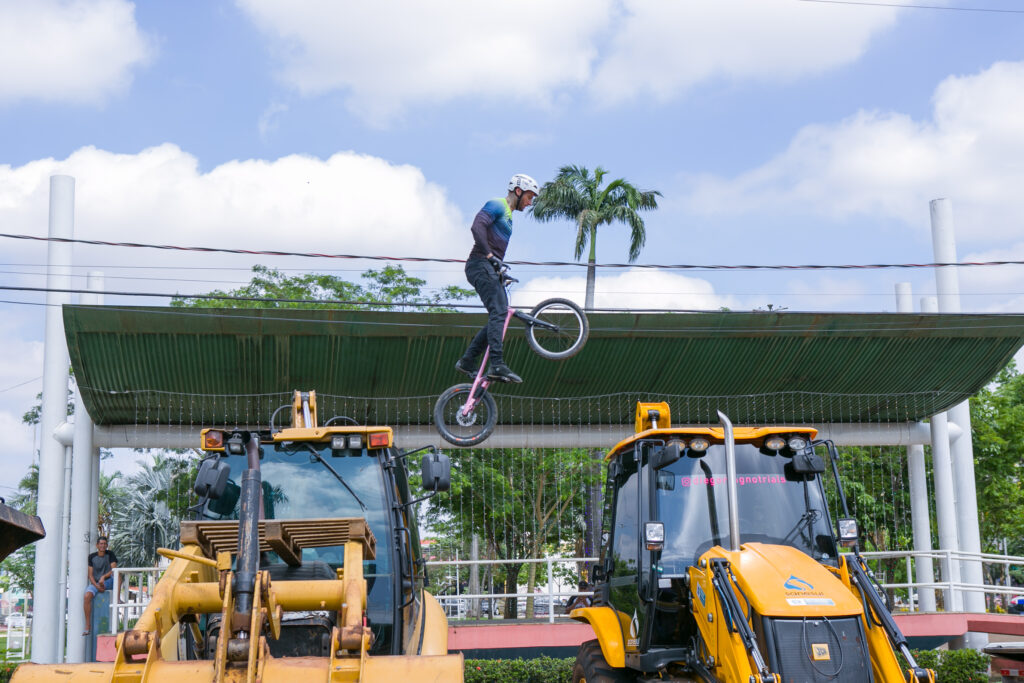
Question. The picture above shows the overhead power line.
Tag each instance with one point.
(424, 259)
(866, 3)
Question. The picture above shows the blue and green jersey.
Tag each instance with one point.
(492, 229)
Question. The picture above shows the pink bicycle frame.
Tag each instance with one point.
(481, 380)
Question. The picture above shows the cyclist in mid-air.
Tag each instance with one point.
(491, 230)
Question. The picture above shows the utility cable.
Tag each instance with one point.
(865, 3)
(424, 259)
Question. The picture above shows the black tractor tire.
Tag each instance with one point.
(485, 416)
(570, 340)
(591, 667)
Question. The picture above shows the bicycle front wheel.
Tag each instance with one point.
(563, 329)
(464, 429)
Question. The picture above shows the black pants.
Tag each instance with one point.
(485, 281)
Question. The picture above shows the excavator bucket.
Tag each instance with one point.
(17, 529)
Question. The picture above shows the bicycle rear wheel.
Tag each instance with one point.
(464, 430)
(570, 332)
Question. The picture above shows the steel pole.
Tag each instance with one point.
(53, 412)
(947, 286)
(83, 487)
(924, 571)
(62, 585)
(945, 507)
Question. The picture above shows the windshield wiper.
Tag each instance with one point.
(335, 473)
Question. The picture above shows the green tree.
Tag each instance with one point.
(997, 426)
(148, 513)
(520, 502)
(578, 196)
(388, 288)
(20, 565)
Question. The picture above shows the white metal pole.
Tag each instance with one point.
(924, 571)
(65, 525)
(80, 544)
(945, 506)
(54, 411)
(947, 286)
(94, 499)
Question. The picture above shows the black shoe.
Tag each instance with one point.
(466, 367)
(501, 373)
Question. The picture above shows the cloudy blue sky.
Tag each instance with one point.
(778, 131)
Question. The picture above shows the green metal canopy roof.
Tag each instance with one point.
(234, 366)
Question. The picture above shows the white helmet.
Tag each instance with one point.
(525, 182)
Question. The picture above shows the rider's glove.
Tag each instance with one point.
(495, 262)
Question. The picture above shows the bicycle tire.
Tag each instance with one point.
(485, 416)
(568, 316)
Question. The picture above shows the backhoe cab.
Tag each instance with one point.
(303, 564)
(720, 563)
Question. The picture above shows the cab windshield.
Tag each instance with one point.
(296, 485)
(776, 506)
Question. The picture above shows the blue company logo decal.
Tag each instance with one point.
(700, 594)
(795, 584)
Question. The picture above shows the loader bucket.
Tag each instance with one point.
(17, 529)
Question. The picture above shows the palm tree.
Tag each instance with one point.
(577, 195)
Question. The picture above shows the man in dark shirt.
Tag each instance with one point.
(491, 230)
(101, 576)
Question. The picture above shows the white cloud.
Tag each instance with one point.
(348, 203)
(68, 50)
(662, 48)
(389, 55)
(887, 164)
(635, 288)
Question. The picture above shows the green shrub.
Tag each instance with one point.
(541, 670)
(955, 666)
(7, 670)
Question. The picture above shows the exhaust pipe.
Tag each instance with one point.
(730, 475)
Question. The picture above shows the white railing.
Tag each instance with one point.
(456, 605)
(18, 640)
(948, 559)
(554, 595)
(144, 580)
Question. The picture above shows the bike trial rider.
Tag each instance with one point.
(491, 230)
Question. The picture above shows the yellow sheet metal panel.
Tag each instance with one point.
(433, 669)
(781, 581)
(435, 627)
(608, 629)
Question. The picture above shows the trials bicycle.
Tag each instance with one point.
(465, 414)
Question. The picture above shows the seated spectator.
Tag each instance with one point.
(578, 601)
(101, 577)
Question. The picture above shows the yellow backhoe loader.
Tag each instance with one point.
(721, 564)
(303, 565)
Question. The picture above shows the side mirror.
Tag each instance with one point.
(436, 469)
(808, 462)
(848, 532)
(212, 479)
(663, 457)
(225, 505)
